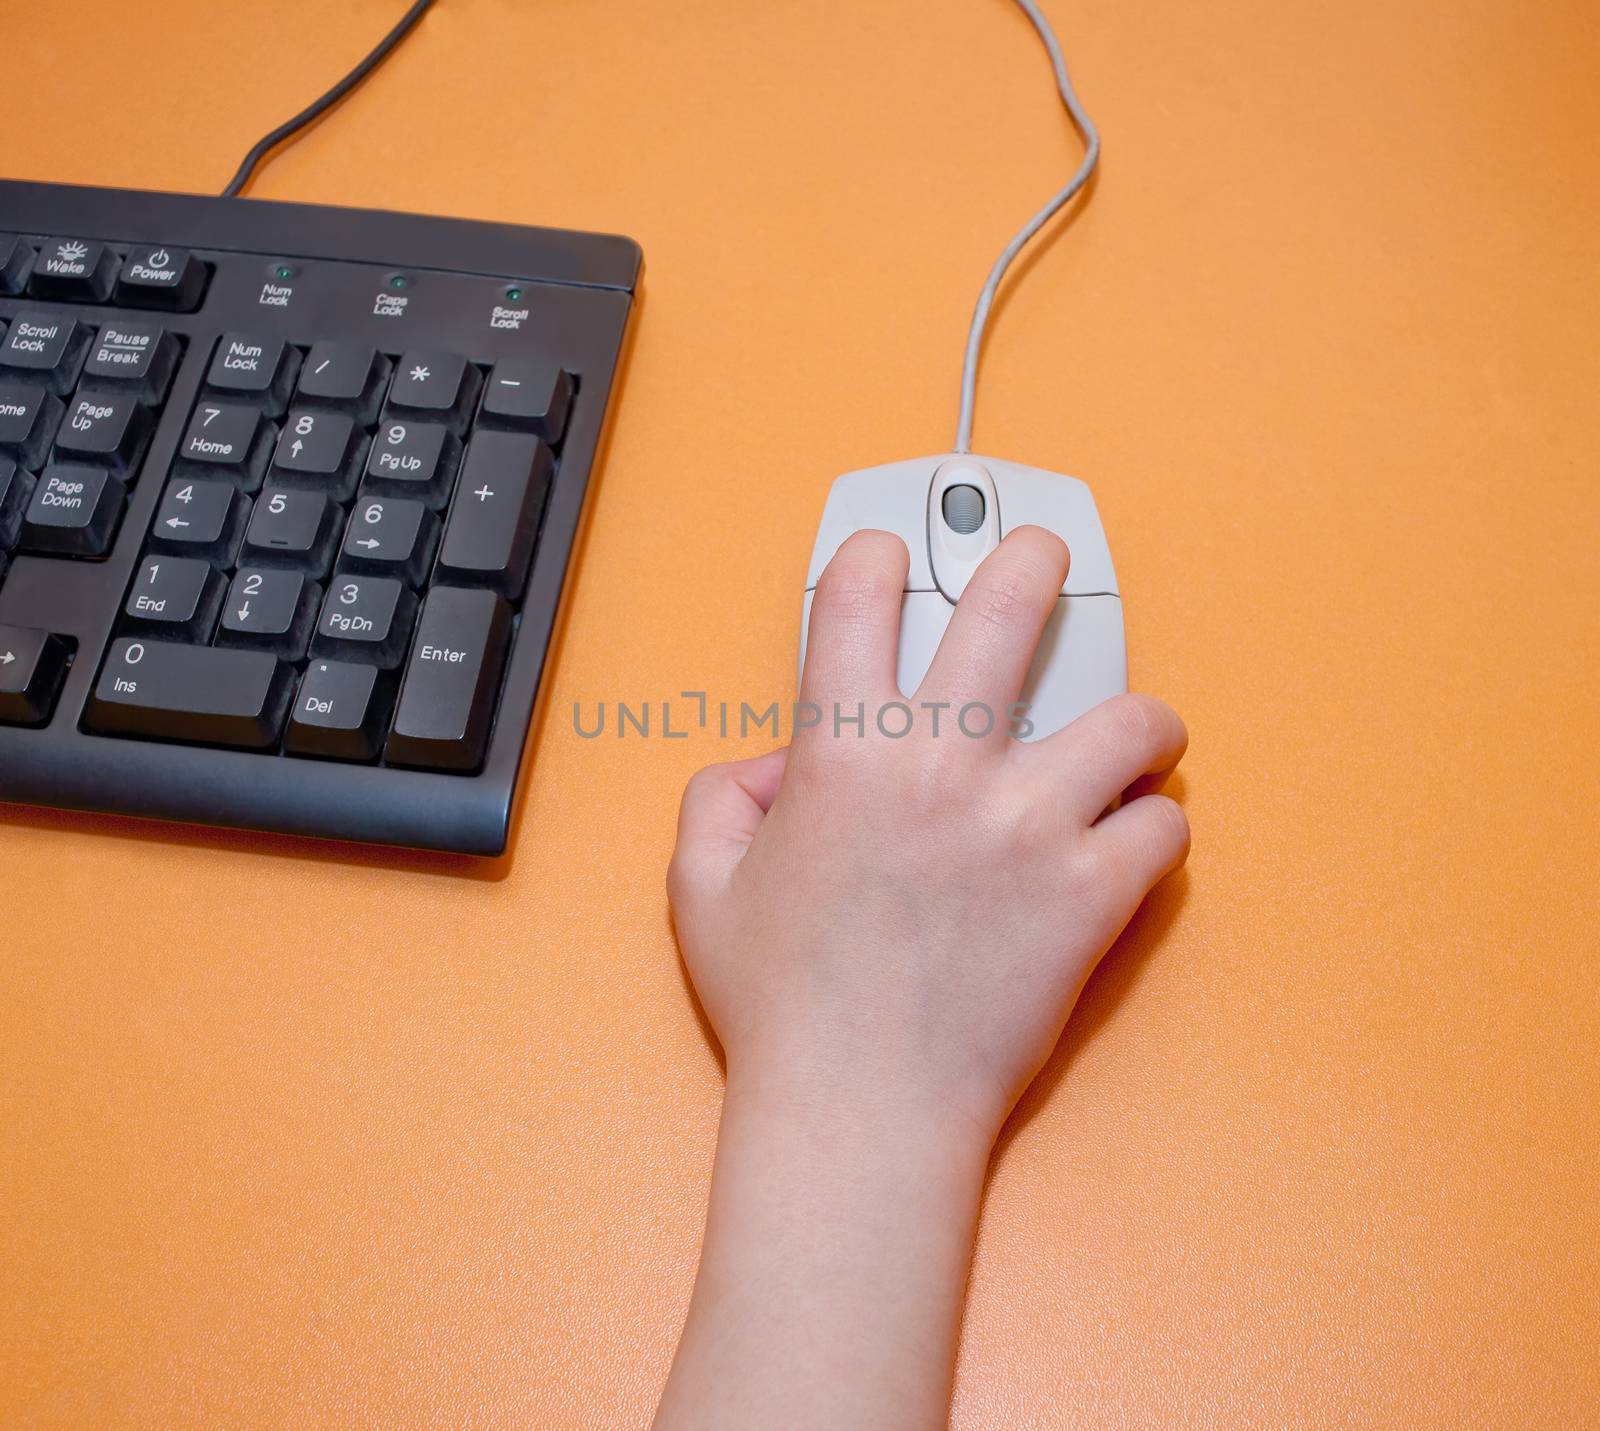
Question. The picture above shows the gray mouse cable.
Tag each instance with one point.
(980, 316)
(947, 508)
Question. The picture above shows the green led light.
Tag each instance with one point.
(284, 271)
(513, 294)
(398, 280)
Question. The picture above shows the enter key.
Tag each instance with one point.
(452, 681)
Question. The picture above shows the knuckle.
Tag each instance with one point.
(814, 767)
(852, 589)
(702, 782)
(1086, 871)
(1132, 718)
(679, 880)
(1005, 600)
(843, 597)
(1016, 585)
(1026, 830)
(930, 779)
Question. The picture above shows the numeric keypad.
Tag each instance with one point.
(314, 533)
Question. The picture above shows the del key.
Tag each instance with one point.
(452, 681)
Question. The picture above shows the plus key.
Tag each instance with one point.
(495, 515)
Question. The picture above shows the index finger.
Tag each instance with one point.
(855, 621)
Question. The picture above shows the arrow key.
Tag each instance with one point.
(389, 536)
(32, 665)
(270, 610)
(201, 518)
(319, 449)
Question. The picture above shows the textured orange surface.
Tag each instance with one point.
(291, 1133)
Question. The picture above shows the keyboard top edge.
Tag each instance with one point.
(295, 230)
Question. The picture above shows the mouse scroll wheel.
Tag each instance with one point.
(963, 509)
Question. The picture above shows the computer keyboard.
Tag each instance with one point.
(287, 500)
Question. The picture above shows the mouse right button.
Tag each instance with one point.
(1030, 496)
(1082, 660)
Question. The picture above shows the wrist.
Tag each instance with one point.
(839, 1232)
(824, 1102)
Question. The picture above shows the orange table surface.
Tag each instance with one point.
(292, 1133)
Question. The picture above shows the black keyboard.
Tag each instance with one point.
(287, 501)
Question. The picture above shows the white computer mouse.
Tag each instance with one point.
(952, 511)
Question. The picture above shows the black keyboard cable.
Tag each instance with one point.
(316, 108)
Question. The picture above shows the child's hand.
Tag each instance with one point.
(914, 917)
(888, 935)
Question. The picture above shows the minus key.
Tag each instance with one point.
(528, 394)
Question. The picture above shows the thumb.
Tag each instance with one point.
(723, 807)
